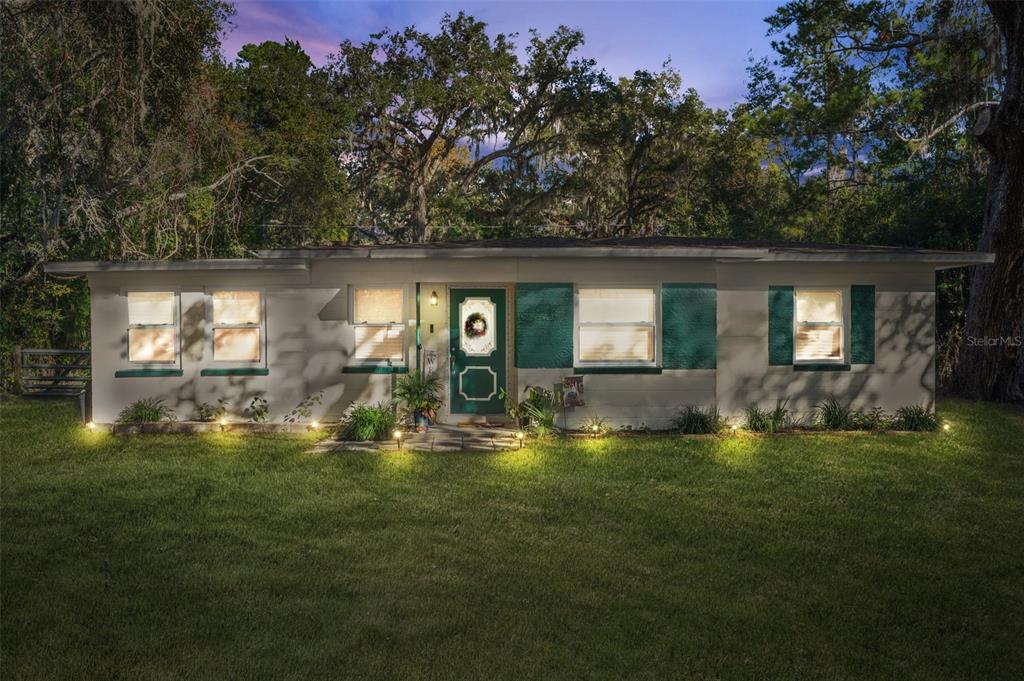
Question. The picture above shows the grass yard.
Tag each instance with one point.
(790, 557)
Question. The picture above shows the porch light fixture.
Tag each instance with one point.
(398, 437)
(433, 298)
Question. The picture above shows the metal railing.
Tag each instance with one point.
(48, 372)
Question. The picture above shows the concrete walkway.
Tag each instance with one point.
(440, 438)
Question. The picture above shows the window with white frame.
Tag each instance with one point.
(377, 318)
(237, 323)
(616, 325)
(819, 332)
(152, 327)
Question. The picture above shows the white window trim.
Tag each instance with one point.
(402, 323)
(142, 364)
(844, 324)
(209, 328)
(656, 324)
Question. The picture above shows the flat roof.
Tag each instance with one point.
(86, 266)
(640, 247)
(555, 247)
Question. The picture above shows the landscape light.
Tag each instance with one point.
(735, 428)
(398, 437)
(520, 435)
(315, 425)
(223, 422)
(91, 425)
(945, 427)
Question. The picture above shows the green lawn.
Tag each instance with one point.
(229, 556)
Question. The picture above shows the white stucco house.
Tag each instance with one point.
(648, 323)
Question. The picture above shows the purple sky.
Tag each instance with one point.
(707, 41)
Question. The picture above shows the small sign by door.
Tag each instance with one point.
(572, 391)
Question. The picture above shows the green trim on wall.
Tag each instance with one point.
(821, 367)
(236, 371)
(862, 324)
(146, 373)
(544, 318)
(780, 325)
(690, 326)
(616, 370)
(374, 370)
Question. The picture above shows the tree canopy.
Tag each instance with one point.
(126, 134)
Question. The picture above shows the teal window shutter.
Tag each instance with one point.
(689, 334)
(862, 324)
(780, 325)
(544, 319)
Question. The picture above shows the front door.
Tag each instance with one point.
(478, 345)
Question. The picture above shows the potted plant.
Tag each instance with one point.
(420, 395)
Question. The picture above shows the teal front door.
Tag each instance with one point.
(478, 346)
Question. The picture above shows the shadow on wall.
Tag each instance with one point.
(911, 337)
(193, 331)
(904, 350)
(336, 309)
(305, 359)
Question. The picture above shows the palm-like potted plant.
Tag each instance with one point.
(420, 395)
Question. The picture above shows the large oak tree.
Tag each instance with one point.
(432, 111)
(884, 79)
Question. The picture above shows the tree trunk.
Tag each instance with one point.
(420, 217)
(991, 362)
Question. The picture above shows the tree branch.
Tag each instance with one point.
(920, 144)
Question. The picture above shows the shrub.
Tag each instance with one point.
(304, 409)
(418, 392)
(780, 416)
(759, 420)
(875, 419)
(915, 417)
(693, 420)
(512, 408)
(835, 416)
(595, 426)
(149, 410)
(368, 422)
(257, 410)
(538, 409)
(208, 412)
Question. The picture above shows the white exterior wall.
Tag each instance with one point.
(904, 368)
(308, 344)
(309, 339)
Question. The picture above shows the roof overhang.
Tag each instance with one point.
(385, 253)
(940, 259)
(298, 259)
(220, 265)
